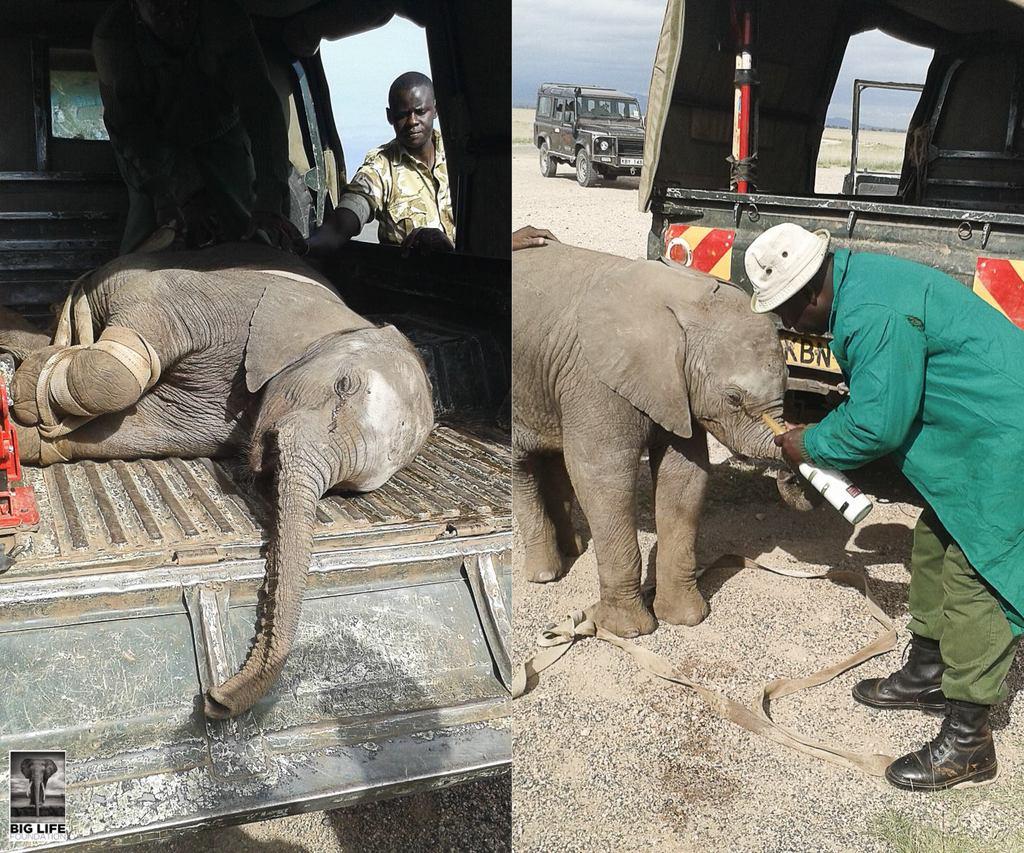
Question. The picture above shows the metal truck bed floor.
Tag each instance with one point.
(154, 511)
(138, 591)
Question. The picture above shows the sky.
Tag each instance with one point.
(612, 43)
(359, 71)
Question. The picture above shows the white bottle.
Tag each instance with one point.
(838, 491)
(834, 487)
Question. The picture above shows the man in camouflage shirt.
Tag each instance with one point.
(403, 184)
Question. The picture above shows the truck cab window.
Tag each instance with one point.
(76, 111)
(360, 70)
(865, 136)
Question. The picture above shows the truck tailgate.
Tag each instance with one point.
(138, 591)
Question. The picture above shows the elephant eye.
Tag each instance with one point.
(734, 398)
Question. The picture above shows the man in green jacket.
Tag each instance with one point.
(935, 380)
(199, 133)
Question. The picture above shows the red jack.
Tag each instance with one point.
(17, 502)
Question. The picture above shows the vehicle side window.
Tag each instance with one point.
(544, 106)
(559, 107)
(76, 111)
(570, 109)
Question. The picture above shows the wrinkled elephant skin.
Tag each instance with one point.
(38, 772)
(256, 355)
(612, 358)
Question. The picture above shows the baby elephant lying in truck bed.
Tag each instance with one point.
(194, 354)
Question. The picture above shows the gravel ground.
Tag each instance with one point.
(472, 817)
(574, 214)
(609, 758)
(604, 217)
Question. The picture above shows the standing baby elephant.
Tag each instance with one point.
(237, 348)
(613, 357)
(38, 772)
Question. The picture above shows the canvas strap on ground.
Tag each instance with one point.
(556, 640)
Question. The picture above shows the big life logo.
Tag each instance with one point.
(37, 795)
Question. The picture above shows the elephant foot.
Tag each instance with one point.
(624, 621)
(687, 610)
(544, 565)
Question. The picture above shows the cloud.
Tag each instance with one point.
(602, 42)
(612, 43)
(876, 56)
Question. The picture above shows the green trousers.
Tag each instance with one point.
(950, 602)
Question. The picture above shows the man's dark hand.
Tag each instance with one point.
(792, 444)
(427, 239)
(277, 231)
(529, 236)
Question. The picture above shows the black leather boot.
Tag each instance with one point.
(917, 686)
(962, 751)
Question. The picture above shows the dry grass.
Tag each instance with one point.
(880, 150)
(522, 126)
(903, 833)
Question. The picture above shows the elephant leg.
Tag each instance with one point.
(605, 484)
(680, 474)
(155, 427)
(542, 558)
(18, 336)
(558, 491)
(56, 383)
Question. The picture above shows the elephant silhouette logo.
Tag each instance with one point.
(37, 785)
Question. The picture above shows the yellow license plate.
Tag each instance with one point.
(808, 351)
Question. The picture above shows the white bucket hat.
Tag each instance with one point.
(781, 261)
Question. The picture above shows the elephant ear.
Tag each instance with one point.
(26, 768)
(631, 337)
(51, 768)
(289, 316)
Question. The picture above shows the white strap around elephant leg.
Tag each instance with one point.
(134, 352)
(74, 323)
(53, 424)
(49, 452)
(59, 410)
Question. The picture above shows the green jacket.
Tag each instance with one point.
(936, 378)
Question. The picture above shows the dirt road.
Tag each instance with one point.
(609, 758)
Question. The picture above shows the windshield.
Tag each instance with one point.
(609, 108)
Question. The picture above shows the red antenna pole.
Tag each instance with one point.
(743, 28)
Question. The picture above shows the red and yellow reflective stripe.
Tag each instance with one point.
(1000, 282)
(706, 249)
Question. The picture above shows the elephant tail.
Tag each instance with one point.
(300, 482)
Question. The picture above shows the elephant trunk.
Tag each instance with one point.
(792, 487)
(38, 793)
(300, 484)
(757, 440)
